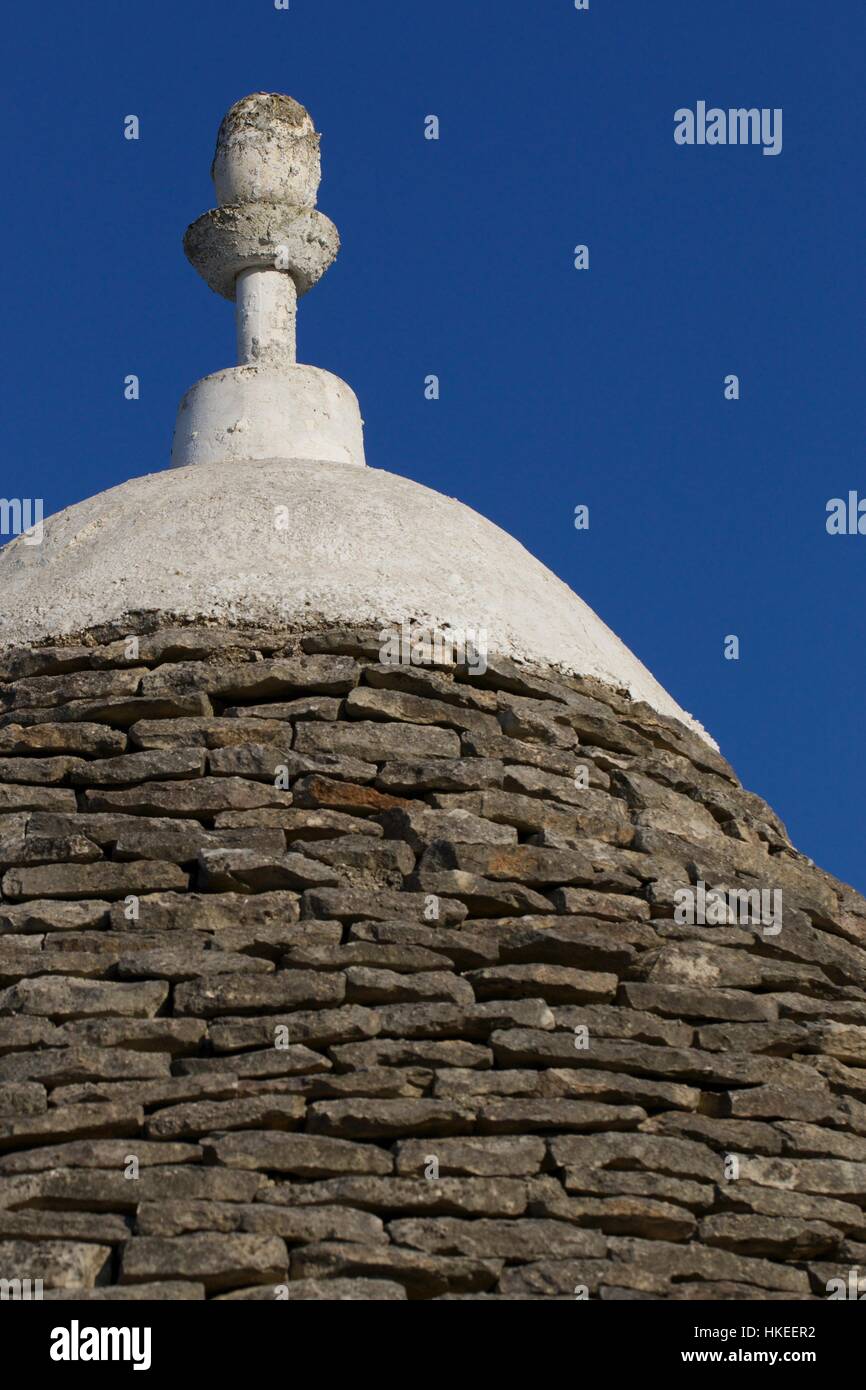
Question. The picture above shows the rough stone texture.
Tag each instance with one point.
(347, 987)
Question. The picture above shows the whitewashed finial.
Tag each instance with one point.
(264, 246)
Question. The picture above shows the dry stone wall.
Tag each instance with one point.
(325, 978)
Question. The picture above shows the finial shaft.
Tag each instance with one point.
(266, 317)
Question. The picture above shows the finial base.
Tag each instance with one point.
(261, 412)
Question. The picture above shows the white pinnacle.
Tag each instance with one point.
(264, 246)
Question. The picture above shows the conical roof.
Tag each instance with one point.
(369, 904)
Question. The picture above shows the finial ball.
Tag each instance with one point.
(267, 152)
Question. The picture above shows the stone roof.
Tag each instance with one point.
(373, 974)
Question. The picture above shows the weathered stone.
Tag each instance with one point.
(298, 823)
(626, 1214)
(62, 1225)
(22, 1098)
(73, 1122)
(652, 1264)
(273, 762)
(423, 1276)
(278, 1062)
(323, 1291)
(678, 1157)
(120, 710)
(516, 1116)
(783, 1039)
(405, 959)
(400, 1196)
(34, 850)
(60, 1264)
(307, 707)
(519, 1047)
(728, 1136)
(387, 1119)
(677, 1001)
(584, 946)
(161, 764)
(513, 863)
(329, 794)
(365, 986)
(521, 1156)
(614, 1021)
(75, 1065)
(102, 880)
(771, 1237)
(20, 662)
(507, 1240)
(301, 1155)
(17, 797)
(99, 1153)
(203, 1117)
(380, 1082)
(466, 948)
(614, 907)
(375, 742)
(318, 1027)
(50, 916)
(45, 692)
(407, 1052)
(238, 921)
(256, 680)
(460, 1081)
(364, 703)
(482, 896)
(783, 1202)
(419, 827)
(361, 860)
(102, 1190)
(777, 1102)
(554, 983)
(289, 989)
(43, 772)
(206, 732)
(458, 1021)
(203, 797)
(351, 905)
(93, 740)
(162, 1292)
(69, 998)
(250, 871)
(455, 775)
(616, 1182)
(217, 1261)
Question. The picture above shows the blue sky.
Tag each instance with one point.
(558, 387)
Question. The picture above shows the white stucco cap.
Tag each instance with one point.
(303, 544)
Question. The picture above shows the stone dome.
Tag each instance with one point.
(297, 544)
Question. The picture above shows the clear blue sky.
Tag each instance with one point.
(559, 387)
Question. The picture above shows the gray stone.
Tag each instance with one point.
(376, 742)
(301, 1155)
(102, 880)
(60, 1264)
(216, 1261)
